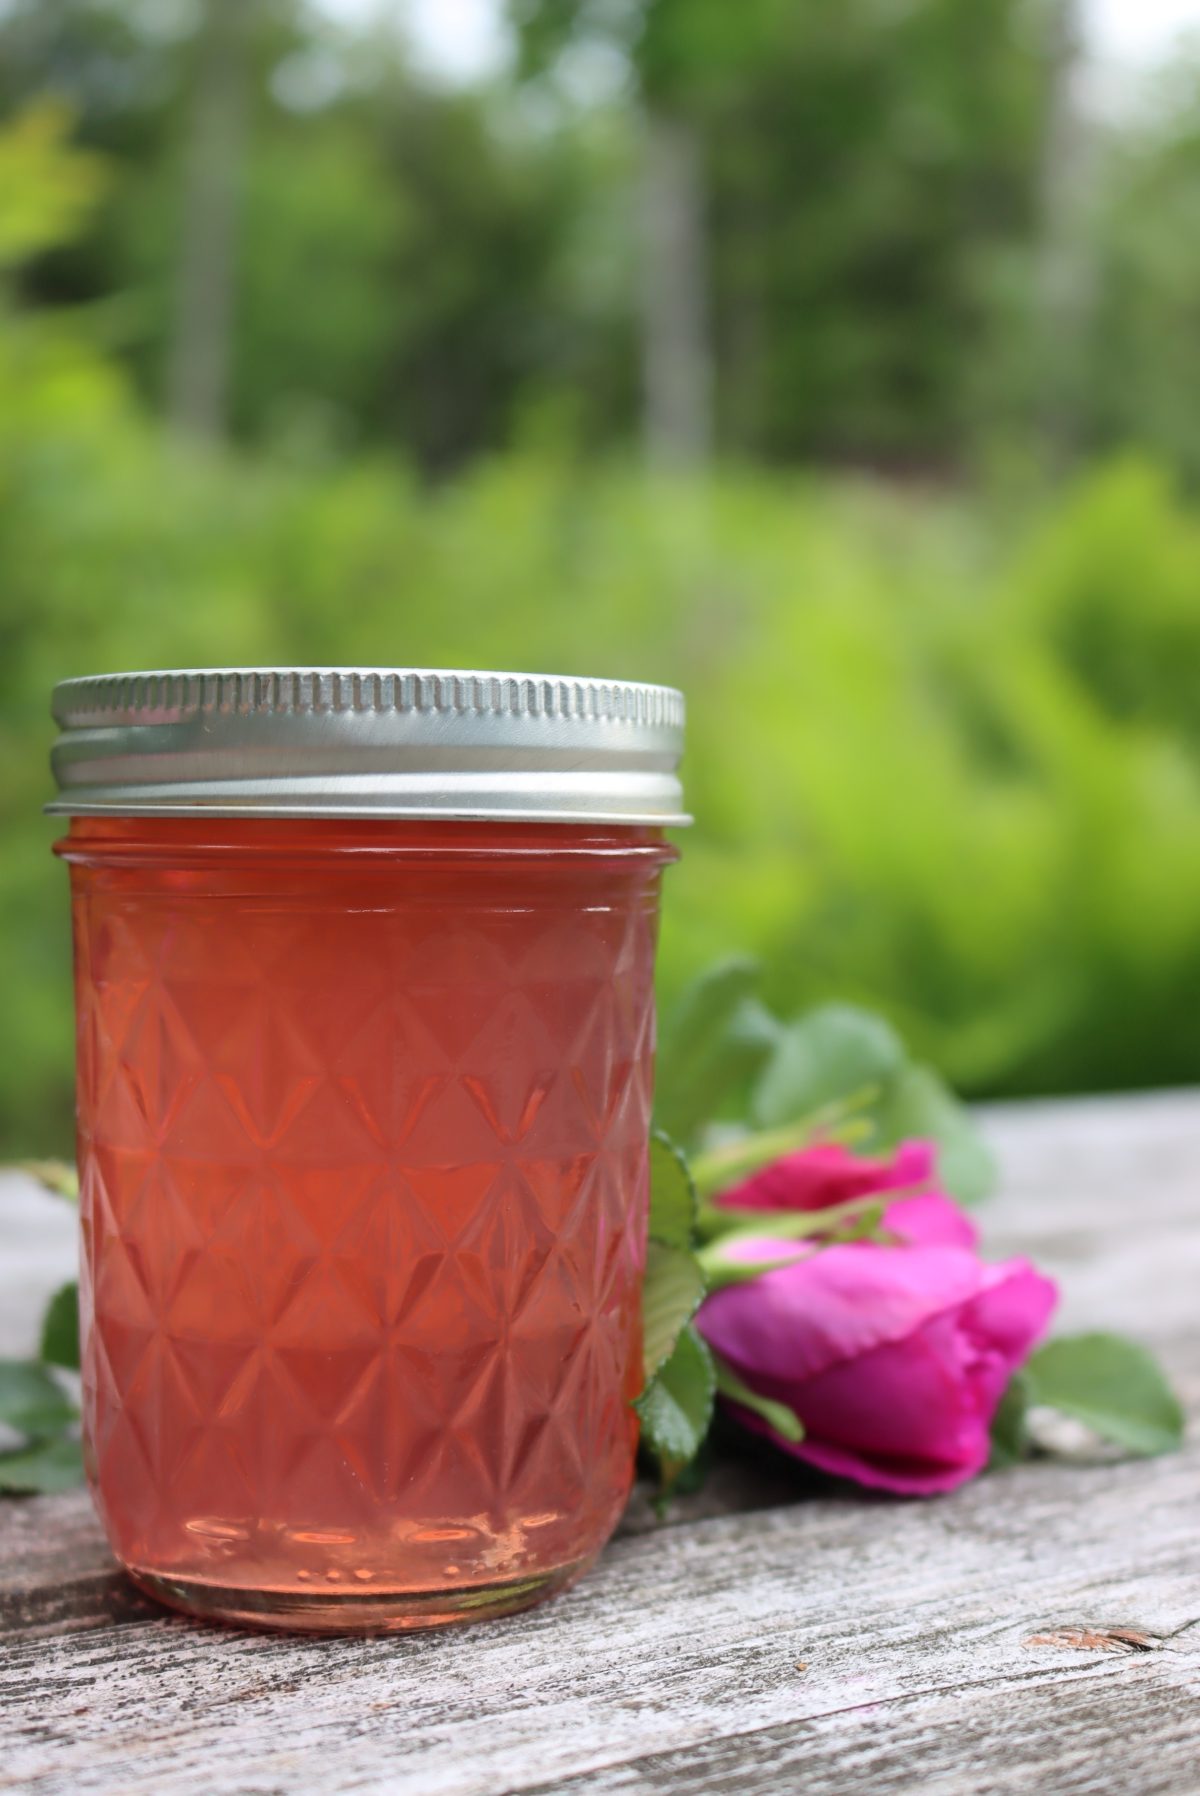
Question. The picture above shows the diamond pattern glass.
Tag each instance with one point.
(363, 1112)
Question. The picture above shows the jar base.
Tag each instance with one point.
(352, 1612)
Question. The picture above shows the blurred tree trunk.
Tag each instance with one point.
(1066, 275)
(743, 352)
(677, 370)
(198, 376)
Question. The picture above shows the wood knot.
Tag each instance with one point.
(1095, 1640)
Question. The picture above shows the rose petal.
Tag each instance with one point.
(815, 1178)
(1008, 1318)
(898, 1419)
(834, 1305)
(913, 1415)
(930, 1219)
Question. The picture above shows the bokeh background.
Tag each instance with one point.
(838, 360)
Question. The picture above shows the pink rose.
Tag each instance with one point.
(893, 1357)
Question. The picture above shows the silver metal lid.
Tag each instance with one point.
(339, 742)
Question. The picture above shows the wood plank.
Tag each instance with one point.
(56, 1572)
(674, 1667)
(1105, 1194)
(687, 1644)
(1046, 1731)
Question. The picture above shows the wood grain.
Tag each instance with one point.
(1039, 1630)
(1069, 1736)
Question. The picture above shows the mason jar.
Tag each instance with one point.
(365, 1028)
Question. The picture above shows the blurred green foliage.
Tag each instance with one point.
(890, 280)
(944, 748)
(869, 168)
(413, 264)
(939, 765)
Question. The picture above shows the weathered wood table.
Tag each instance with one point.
(1040, 1630)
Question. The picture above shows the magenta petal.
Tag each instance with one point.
(815, 1178)
(901, 1478)
(930, 1219)
(1007, 1320)
(913, 1163)
(904, 1417)
(837, 1304)
(908, 1412)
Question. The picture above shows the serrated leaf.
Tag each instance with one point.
(713, 1039)
(676, 1407)
(60, 1329)
(1010, 1432)
(919, 1103)
(830, 1054)
(779, 1416)
(671, 1295)
(31, 1399)
(51, 1466)
(1112, 1385)
(673, 1206)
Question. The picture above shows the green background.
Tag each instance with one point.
(934, 593)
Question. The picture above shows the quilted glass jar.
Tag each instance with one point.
(363, 1104)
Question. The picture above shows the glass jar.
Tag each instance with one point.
(364, 1086)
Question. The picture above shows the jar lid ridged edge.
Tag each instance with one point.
(164, 694)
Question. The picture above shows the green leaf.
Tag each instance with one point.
(715, 1038)
(31, 1399)
(778, 1416)
(1111, 1384)
(676, 1407)
(830, 1054)
(1010, 1432)
(917, 1102)
(673, 1205)
(692, 1477)
(54, 1175)
(50, 1466)
(60, 1329)
(670, 1298)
